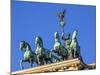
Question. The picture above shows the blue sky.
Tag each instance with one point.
(29, 19)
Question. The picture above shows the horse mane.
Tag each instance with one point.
(27, 44)
(74, 36)
(40, 39)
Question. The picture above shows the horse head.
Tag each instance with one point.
(74, 36)
(38, 41)
(56, 35)
(57, 44)
(22, 45)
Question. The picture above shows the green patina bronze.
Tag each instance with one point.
(58, 48)
(67, 42)
(42, 56)
(74, 46)
(29, 55)
(46, 54)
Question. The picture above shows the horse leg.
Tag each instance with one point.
(63, 58)
(43, 61)
(72, 53)
(46, 61)
(75, 53)
(51, 60)
(31, 62)
(21, 63)
(38, 60)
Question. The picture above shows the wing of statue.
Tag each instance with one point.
(64, 12)
(59, 14)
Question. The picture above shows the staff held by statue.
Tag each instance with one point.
(61, 16)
